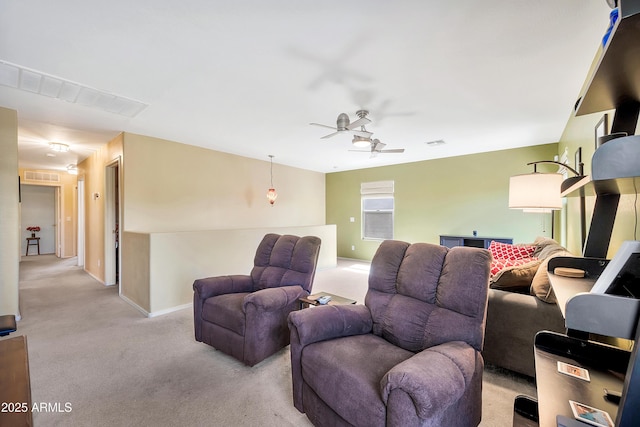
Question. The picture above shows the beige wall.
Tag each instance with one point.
(167, 187)
(177, 187)
(455, 195)
(159, 268)
(68, 213)
(9, 213)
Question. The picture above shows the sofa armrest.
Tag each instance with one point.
(212, 286)
(219, 285)
(434, 379)
(513, 320)
(328, 322)
(274, 299)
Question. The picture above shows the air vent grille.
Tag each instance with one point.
(36, 176)
(19, 77)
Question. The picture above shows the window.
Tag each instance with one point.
(377, 210)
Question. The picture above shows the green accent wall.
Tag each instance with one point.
(454, 195)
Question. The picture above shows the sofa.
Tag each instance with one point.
(521, 303)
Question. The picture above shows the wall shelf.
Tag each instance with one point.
(615, 170)
(614, 82)
(588, 187)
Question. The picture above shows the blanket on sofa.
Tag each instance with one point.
(523, 267)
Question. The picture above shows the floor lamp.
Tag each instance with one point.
(541, 192)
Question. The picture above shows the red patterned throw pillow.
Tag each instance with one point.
(505, 251)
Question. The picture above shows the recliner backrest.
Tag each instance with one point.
(285, 260)
(421, 295)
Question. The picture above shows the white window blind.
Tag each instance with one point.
(378, 188)
(377, 209)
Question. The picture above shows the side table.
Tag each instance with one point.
(30, 241)
(335, 300)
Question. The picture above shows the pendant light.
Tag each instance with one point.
(271, 194)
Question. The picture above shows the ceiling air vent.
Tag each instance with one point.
(35, 176)
(434, 143)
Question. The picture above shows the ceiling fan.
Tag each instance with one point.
(376, 147)
(344, 125)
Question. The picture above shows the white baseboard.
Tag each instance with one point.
(136, 306)
(170, 310)
(100, 281)
(364, 261)
(156, 313)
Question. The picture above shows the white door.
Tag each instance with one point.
(38, 210)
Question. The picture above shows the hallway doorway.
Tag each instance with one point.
(38, 209)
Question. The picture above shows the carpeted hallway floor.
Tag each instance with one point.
(92, 352)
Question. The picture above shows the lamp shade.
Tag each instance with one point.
(535, 192)
(272, 196)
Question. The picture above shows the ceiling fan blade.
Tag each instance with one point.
(395, 150)
(362, 133)
(360, 151)
(330, 135)
(324, 126)
(360, 122)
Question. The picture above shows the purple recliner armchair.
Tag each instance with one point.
(245, 316)
(410, 356)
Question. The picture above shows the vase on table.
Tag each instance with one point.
(33, 235)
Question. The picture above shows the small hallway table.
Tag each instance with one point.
(32, 241)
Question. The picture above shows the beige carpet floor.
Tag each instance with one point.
(96, 356)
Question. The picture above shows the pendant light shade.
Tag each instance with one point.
(271, 193)
(272, 196)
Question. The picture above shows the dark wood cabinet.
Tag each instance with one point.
(473, 241)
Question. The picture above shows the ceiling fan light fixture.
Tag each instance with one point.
(360, 142)
(59, 147)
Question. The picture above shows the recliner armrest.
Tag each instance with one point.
(273, 299)
(219, 285)
(331, 321)
(435, 378)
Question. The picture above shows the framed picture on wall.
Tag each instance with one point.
(602, 129)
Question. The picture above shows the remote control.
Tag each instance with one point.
(324, 299)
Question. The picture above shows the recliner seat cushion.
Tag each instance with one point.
(352, 386)
(226, 311)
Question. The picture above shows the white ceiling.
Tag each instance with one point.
(247, 77)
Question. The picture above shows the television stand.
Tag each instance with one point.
(472, 241)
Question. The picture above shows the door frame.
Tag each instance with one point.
(113, 194)
(80, 244)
